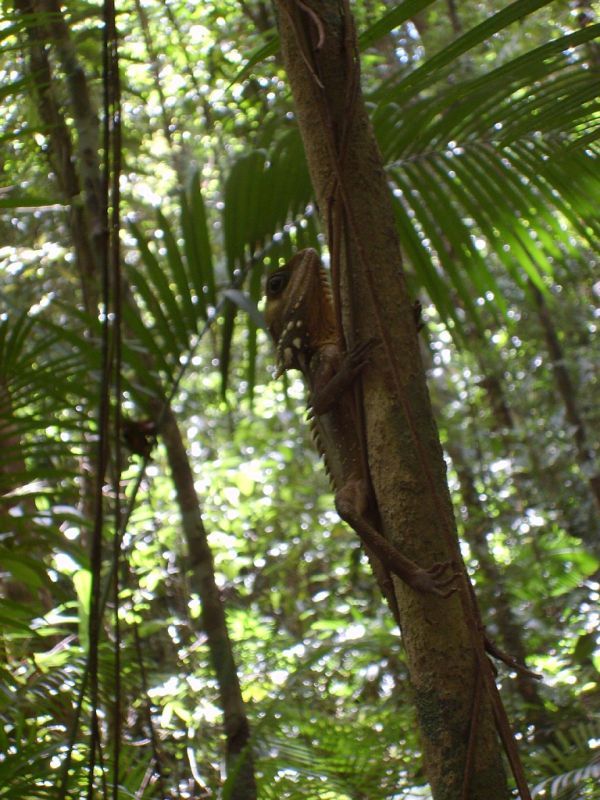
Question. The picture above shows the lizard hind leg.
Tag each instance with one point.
(351, 505)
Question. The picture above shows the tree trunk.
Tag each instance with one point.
(568, 395)
(404, 454)
(85, 223)
(239, 760)
(513, 436)
(454, 18)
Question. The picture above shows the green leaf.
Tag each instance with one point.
(8, 623)
(247, 199)
(421, 263)
(151, 352)
(82, 581)
(434, 235)
(430, 70)
(390, 20)
(198, 255)
(160, 299)
(16, 87)
(244, 302)
(25, 569)
(460, 254)
(199, 230)
(257, 56)
(16, 200)
(179, 276)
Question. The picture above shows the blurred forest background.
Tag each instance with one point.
(217, 603)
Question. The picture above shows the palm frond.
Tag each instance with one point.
(499, 170)
(490, 167)
(437, 67)
(573, 762)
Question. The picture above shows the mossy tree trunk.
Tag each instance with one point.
(404, 453)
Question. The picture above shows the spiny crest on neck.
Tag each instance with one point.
(318, 307)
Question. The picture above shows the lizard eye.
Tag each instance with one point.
(277, 283)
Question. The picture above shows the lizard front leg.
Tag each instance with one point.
(333, 375)
(351, 504)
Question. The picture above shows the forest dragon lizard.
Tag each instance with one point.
(301, 318)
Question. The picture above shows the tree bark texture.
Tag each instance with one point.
(60, 154)
(239, 760)
(404, 453)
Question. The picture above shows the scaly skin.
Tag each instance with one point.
(301, 319)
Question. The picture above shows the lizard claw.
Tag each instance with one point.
(431, 580)
(359, 356)
(438, 568)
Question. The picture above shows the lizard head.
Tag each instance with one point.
(299, 310)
